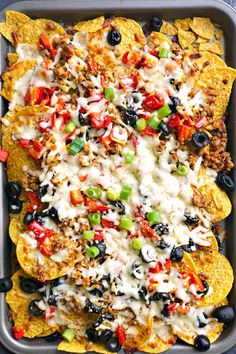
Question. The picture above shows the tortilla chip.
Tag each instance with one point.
(205, 254)
(203, 27)
(183, 24)
(186, 38)
(168, 29)
(201, 40)
(13, 22)
(83, 346)
(156, 39)
(12, 58)
(213, 47)
(90, 25)
(14, 229)
(186, 263)
(31, 31)
(206, 59)
(219, 34)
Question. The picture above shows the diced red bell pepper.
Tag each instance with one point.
(153, 52)
(98, 122)
(152, 284)
(110, 224)
(120, 334)
(193, 278)
(147, 231)
(200, 123)
(76, 197)
(184, 133)
(49, 312)
(37, 145)
(174, 121)
(160, 267)
(24, 143)
(148, 131)
(101, 208)
(66, 117)
(34, 202)
(172, 307)
(44, 248)
(34, 95)
(18, 333)
(99, 235)
(130, 58)
(60, 105)
(46, 44)
(35, 154)
(44, 125)
(37, 229)
(155, 269)
(93, 207)
(105, 139)
(152, 102)
(4, 155)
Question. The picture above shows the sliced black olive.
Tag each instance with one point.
(81, 119)
(53, 337)
(225, 182)
(219, 242)
(165, 311)
(191, 220)
(160, 296)
(137, 271)
(172, 81)
(224, 314)
(29, 285)
(200, 323)
(113, 345)
(105, 335)
(55, 282)
(39, 218)
(175, 102)
(164, 128)
(114, 37)
(15, 206)
(102, 248)
(28, 218)
(162, 245)
(148, 254)
(108, 316)
(190, 247)
(5, 285)
(13, 190)
(130, 117)
(206, 288)
(156, 23)
(200, 140)
(92, 334)
(119, 205)
(97, 289)
(161, 228)
(202, 343)
(52, 301)
(91, 307)
(176, 254)
(34, 310)
(53, 213)
(42, 190)
(143, 293)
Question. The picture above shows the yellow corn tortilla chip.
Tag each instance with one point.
(186, 263)
(219, 34)
(213, 47)
(31, 31)
(183, 24)
(168, 29)
(82, 346)
(186, 38)
(14, 229)
(12, 58)
(205, 254)
(13, 21)
(156, 39)
(90, 25)
(203, 27)
(201, 40)
(206, 59)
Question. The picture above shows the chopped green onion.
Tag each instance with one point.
(109, 93)
(154, 122)
(141, 124)
(70, 127)
(92, 252)
(163, 111)
(88, 234)
(163, 53)
(136, 244)
(76, 146)
(154, 217)
(125, 192)
(94, 218)
(182, 170)
(93, 192)
(111, 194)
(129, 157)
(126, 223)
(68, 335)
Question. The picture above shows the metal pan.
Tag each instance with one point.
(140, 10)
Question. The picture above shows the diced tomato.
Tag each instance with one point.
(53, 119)
(37, 145)
(76, 197)
(121, 335)
(155, 269)
(160, 267)
(193, 278)
(24, 143)
(4, 155)
(174, 121)
(93, 207)
(49, 312)
(200, 123)
(44, 125)
(110, 224)
(37, 228)
(172, 308)
(44, 248)
(46, 44)
(101, 208)
(105, 139)
(60, 105)
(136, 80)
(147, 231)
(130, 58)
(152, 284)
(66, 117)
(83, 110)
(35, 154)
(184, 133)
(34, 202)
(98, 122)
(99, 235)
(18, 333)
(34, 95)
(152, 102)
(153, 52)
(148, 131)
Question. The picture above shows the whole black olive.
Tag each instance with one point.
(120, 206)
(156, 23)
(34, 310)
(162, 245)
(42, 190)
(81, 119)
(161, 228)
(224, 314)
(148, 254)
(28, 218)
(13, 190)
(143, 293)
(191, 220)
(15, 206)
(91, 307)
(164, 128)
(200, 140)
(113, 345)
(114, 37)
(175, 102)
(52, 301)
(102, 248)
(5, 285)
(29, 285)
(53, 337)
(202, 343)
(190, 247)
(105, 335)
(159, 296)
(225, 182)
(130, 117)
(176, 254)
(92, 334)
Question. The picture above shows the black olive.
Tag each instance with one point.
(13, 190)
(161, 228)
(148, 254)
(39, 218)
(130, 117)
(113, 345)
(55, 282)
(202, 343)
(176, 254)
(225, 182)
(114, 37)
(190, 247)
(137, 271)
(172, 81)
(102, 248)
(165, 311)
(5, 285)
(200, 323)
(156, 23)
(159, 296)
(53, 337)
(29, 285)
(164, 128)
(34, 310)
(28, 218)
(191, 220)
(105, 335)
(81, 119)
(53, 214)
(162, 245)
(92, 334)
(175, 102)
(224, 314)
(42, 190)
(15, 206)
(219, 242)
(143, 293)
(91, 307)
(52, 301)
(119, 205)
(206, 288)
(200, 140)
(108, 316)
(97, 290)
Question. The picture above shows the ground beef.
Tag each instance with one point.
(202, 201)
